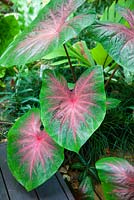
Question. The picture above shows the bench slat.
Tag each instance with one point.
(51, 190)
(3, 192)
(64, 186)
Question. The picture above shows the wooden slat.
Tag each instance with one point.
(64, 186)
(3, 191)
(15, 190)
(51, 190)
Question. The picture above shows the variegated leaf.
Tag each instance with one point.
(71, 116)
(117, 39)
(33, 156)
(48, 31)
(117, 178)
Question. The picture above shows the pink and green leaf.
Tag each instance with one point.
(71, 116)
(33, 157)
(86, 189)
(117, 39)
(117, 178)
(48, 31)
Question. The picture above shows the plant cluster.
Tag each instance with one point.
(72, 108)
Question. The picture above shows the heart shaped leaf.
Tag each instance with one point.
(117, 178)
(71, 116)
(33, 157)
(117, 39)
(48, 31)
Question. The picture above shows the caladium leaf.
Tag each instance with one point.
(117, 39)
(48, 31)
(86, 189)
(33, 157)
(71, 116)
(117, 178)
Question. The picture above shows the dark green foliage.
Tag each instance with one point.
(21, 93)
(9, 27)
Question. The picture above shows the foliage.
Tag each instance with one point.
(9, 28)
(117, 177)
(86, 189)
(110, 14)
(33, 157)
(2, 74)
(70, 111)
(120, 44)
(115, 135)
(48, 31)
(21, 92)
(27, 10)
(102, 59)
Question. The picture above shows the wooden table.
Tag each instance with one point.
(54, 189)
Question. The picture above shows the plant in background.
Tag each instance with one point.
(47, 32)
(117, 178)
(27, 10)
(21, 92)
(9, 28)
(69, 113)
(120, 45)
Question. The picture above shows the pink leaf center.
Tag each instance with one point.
(35, 146)
(70, 108)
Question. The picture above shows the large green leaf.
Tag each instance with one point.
(101, 58)
(9, 28)
(33, 157)
(48, 31)
(117, 39)
(117, 178)
(71, 116)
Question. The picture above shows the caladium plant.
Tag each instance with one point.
(49, 30)
(117, 178)
(33, 157)
(117, 39)
(71, 116)
(86, 189)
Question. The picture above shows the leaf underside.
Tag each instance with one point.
(117, 39)
(71, 116)
(48, 31)
(117, 178)
(33, 156)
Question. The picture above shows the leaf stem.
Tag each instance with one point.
(69, 61)
(105, 61)
(108, 81)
